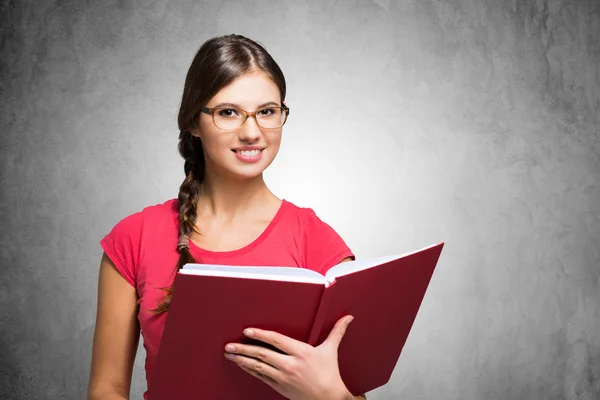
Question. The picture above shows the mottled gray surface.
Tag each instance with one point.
(472, 121)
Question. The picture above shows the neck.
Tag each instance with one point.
(226, 198)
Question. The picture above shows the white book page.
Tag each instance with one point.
(355, 266)
(359, 265)
(286, 274)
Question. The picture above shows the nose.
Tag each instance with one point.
(250, 131)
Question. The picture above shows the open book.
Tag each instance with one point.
(289, 274)
(213, 304)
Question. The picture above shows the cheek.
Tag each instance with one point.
(207, 130)
(212, 140)
(215, 146)
(274, 139)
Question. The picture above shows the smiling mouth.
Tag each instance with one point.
(248, 153)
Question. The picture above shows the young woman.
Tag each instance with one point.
(230, 123)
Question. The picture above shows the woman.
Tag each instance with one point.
(230, 123)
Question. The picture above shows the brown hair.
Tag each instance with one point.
(217, 63)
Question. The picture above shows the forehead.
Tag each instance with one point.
(248, 90)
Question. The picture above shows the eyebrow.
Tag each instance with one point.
(270, 103)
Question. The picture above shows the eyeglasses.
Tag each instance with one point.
(229, 118)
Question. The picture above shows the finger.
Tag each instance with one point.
(284, 343)
(269, 381)
(337, 333)
(256, 366)
(263, 354)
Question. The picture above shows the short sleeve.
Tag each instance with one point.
(123, 246)
(323, 246)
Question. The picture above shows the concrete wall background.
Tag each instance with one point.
(475, 122)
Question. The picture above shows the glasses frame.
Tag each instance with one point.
(246, 114)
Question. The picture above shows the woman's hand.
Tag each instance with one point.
(303, 373)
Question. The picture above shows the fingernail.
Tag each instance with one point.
(229, 356)
(230, 347)
(248, 332)
(349, 320)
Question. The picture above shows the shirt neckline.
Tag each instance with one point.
(196, 250)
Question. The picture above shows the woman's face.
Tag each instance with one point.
(224, 149)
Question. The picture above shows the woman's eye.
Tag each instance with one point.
(266, 112)
(228, 112)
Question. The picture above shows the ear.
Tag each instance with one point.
(194, 131)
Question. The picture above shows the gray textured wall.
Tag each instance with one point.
(472, 121)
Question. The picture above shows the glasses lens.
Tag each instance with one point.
(228, 118)
(270, 117)
(231, 118)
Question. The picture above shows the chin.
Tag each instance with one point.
(244, 173)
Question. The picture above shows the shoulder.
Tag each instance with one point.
(138, 225)
(305, 217)
(151, 213)
(125, 242)
(167, 208)
(320, 243)
(134, 223)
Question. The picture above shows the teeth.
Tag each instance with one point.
(249, 153)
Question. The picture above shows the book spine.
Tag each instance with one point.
(314, 338)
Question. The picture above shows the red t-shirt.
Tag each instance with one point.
(143, 247)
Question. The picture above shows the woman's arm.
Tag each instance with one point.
(116, 336)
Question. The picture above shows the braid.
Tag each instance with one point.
(190, 149)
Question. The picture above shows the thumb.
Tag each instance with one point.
(339, 330)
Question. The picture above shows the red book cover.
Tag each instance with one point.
(384, 301)
(207, 312)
